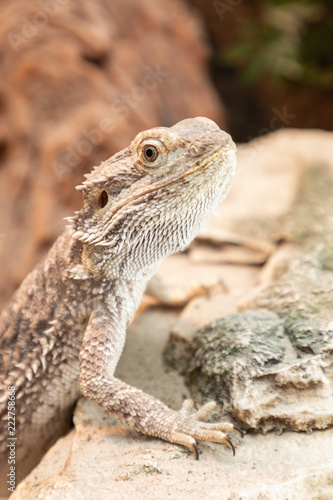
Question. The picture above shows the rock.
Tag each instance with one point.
(201, 310)
(249, 360)
(228, 255)
(230, 248)
(174, 289)
(78, 81)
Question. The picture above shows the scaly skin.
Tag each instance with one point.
(65, 327)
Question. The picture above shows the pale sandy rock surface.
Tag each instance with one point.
(287, 379)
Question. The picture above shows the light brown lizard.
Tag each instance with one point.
(64, 329)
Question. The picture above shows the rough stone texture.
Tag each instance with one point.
(103, 459)
(248, 359)
(236, 282)
(78, 80)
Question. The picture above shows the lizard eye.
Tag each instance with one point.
(149, 153)
(103, 199)
(152, 152)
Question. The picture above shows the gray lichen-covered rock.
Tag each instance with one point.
(249, 359)
(227, 348)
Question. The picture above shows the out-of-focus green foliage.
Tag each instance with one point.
(292, 40)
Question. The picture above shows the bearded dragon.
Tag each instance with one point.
(64, 330)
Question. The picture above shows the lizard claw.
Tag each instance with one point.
(239, 430)
(195, 451)
(231, 446)
(187, 428)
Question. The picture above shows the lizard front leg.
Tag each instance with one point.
(102, 346)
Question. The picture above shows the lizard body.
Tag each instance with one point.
(64, 329)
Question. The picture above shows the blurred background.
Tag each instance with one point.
(79, 79)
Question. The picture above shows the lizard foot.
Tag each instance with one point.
(189, 428)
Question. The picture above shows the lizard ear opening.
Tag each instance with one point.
(103, 199)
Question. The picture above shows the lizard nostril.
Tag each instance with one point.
(197, 149)
(103, 199)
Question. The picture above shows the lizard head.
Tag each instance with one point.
(150, 199)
